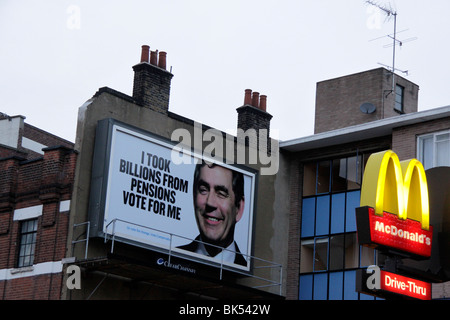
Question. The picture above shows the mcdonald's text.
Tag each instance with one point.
(404, 234)
(389, 231)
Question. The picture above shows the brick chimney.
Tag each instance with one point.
(253, 114)
(151, 87)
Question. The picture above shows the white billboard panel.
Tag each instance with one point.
(149, 200)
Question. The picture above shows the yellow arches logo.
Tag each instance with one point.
(398, 187)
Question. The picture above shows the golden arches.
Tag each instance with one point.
(396, 187)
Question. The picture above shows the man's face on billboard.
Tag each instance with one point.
(215, 208)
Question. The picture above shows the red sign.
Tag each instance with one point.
(405, 286)
(405, 235)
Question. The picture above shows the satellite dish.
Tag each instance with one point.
(367, 108)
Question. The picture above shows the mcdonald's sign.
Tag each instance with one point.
(394, 208)
(381, 283)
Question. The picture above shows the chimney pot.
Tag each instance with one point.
(162, 60)
(154, 57)
(263, 102)
(248, 97)
(255, 99)
(151, 85)
(144, 53)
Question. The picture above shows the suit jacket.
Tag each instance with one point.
(239, 258)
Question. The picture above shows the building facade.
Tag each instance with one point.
(143, 260)
(363, 97)
(36, 178)
(327, 173)
(120, 205)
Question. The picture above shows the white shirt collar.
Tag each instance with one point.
(229, 253)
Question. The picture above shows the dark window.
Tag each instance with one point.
(337, 250)
(309, 179)
(339, 180)
(323, 177)
(28, 231)
(399, 98)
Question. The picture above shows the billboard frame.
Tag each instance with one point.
(101, 179)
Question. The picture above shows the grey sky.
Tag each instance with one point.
(56, 54)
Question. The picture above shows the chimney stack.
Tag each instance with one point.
(151, 87)
(253, 114)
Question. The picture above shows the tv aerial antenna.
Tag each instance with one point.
(391, 13)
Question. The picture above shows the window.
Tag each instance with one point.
(306, 287)
(399, 97)
(322, 215)
(354, 172)
(351, 251)
(329, 249)
(336, 286)
(28, 231)
(314, 255)
(308, 217)
(332, 286)
(349, 286)
(434, 149)
(337, 252)
(309, 179)
(320, 286)
(338, 213)
(321, 254)
(352, 202)
(323, 177)
(332, 176)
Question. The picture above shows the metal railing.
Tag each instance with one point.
(221, 264)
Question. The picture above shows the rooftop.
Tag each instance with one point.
(363, 131)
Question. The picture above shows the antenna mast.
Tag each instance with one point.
(389, 12)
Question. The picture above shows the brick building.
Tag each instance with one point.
(363, 97)
(326, 174)
(36, 179)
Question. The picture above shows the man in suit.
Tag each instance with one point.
(219, 204)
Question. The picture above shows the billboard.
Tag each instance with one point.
(195, 208)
